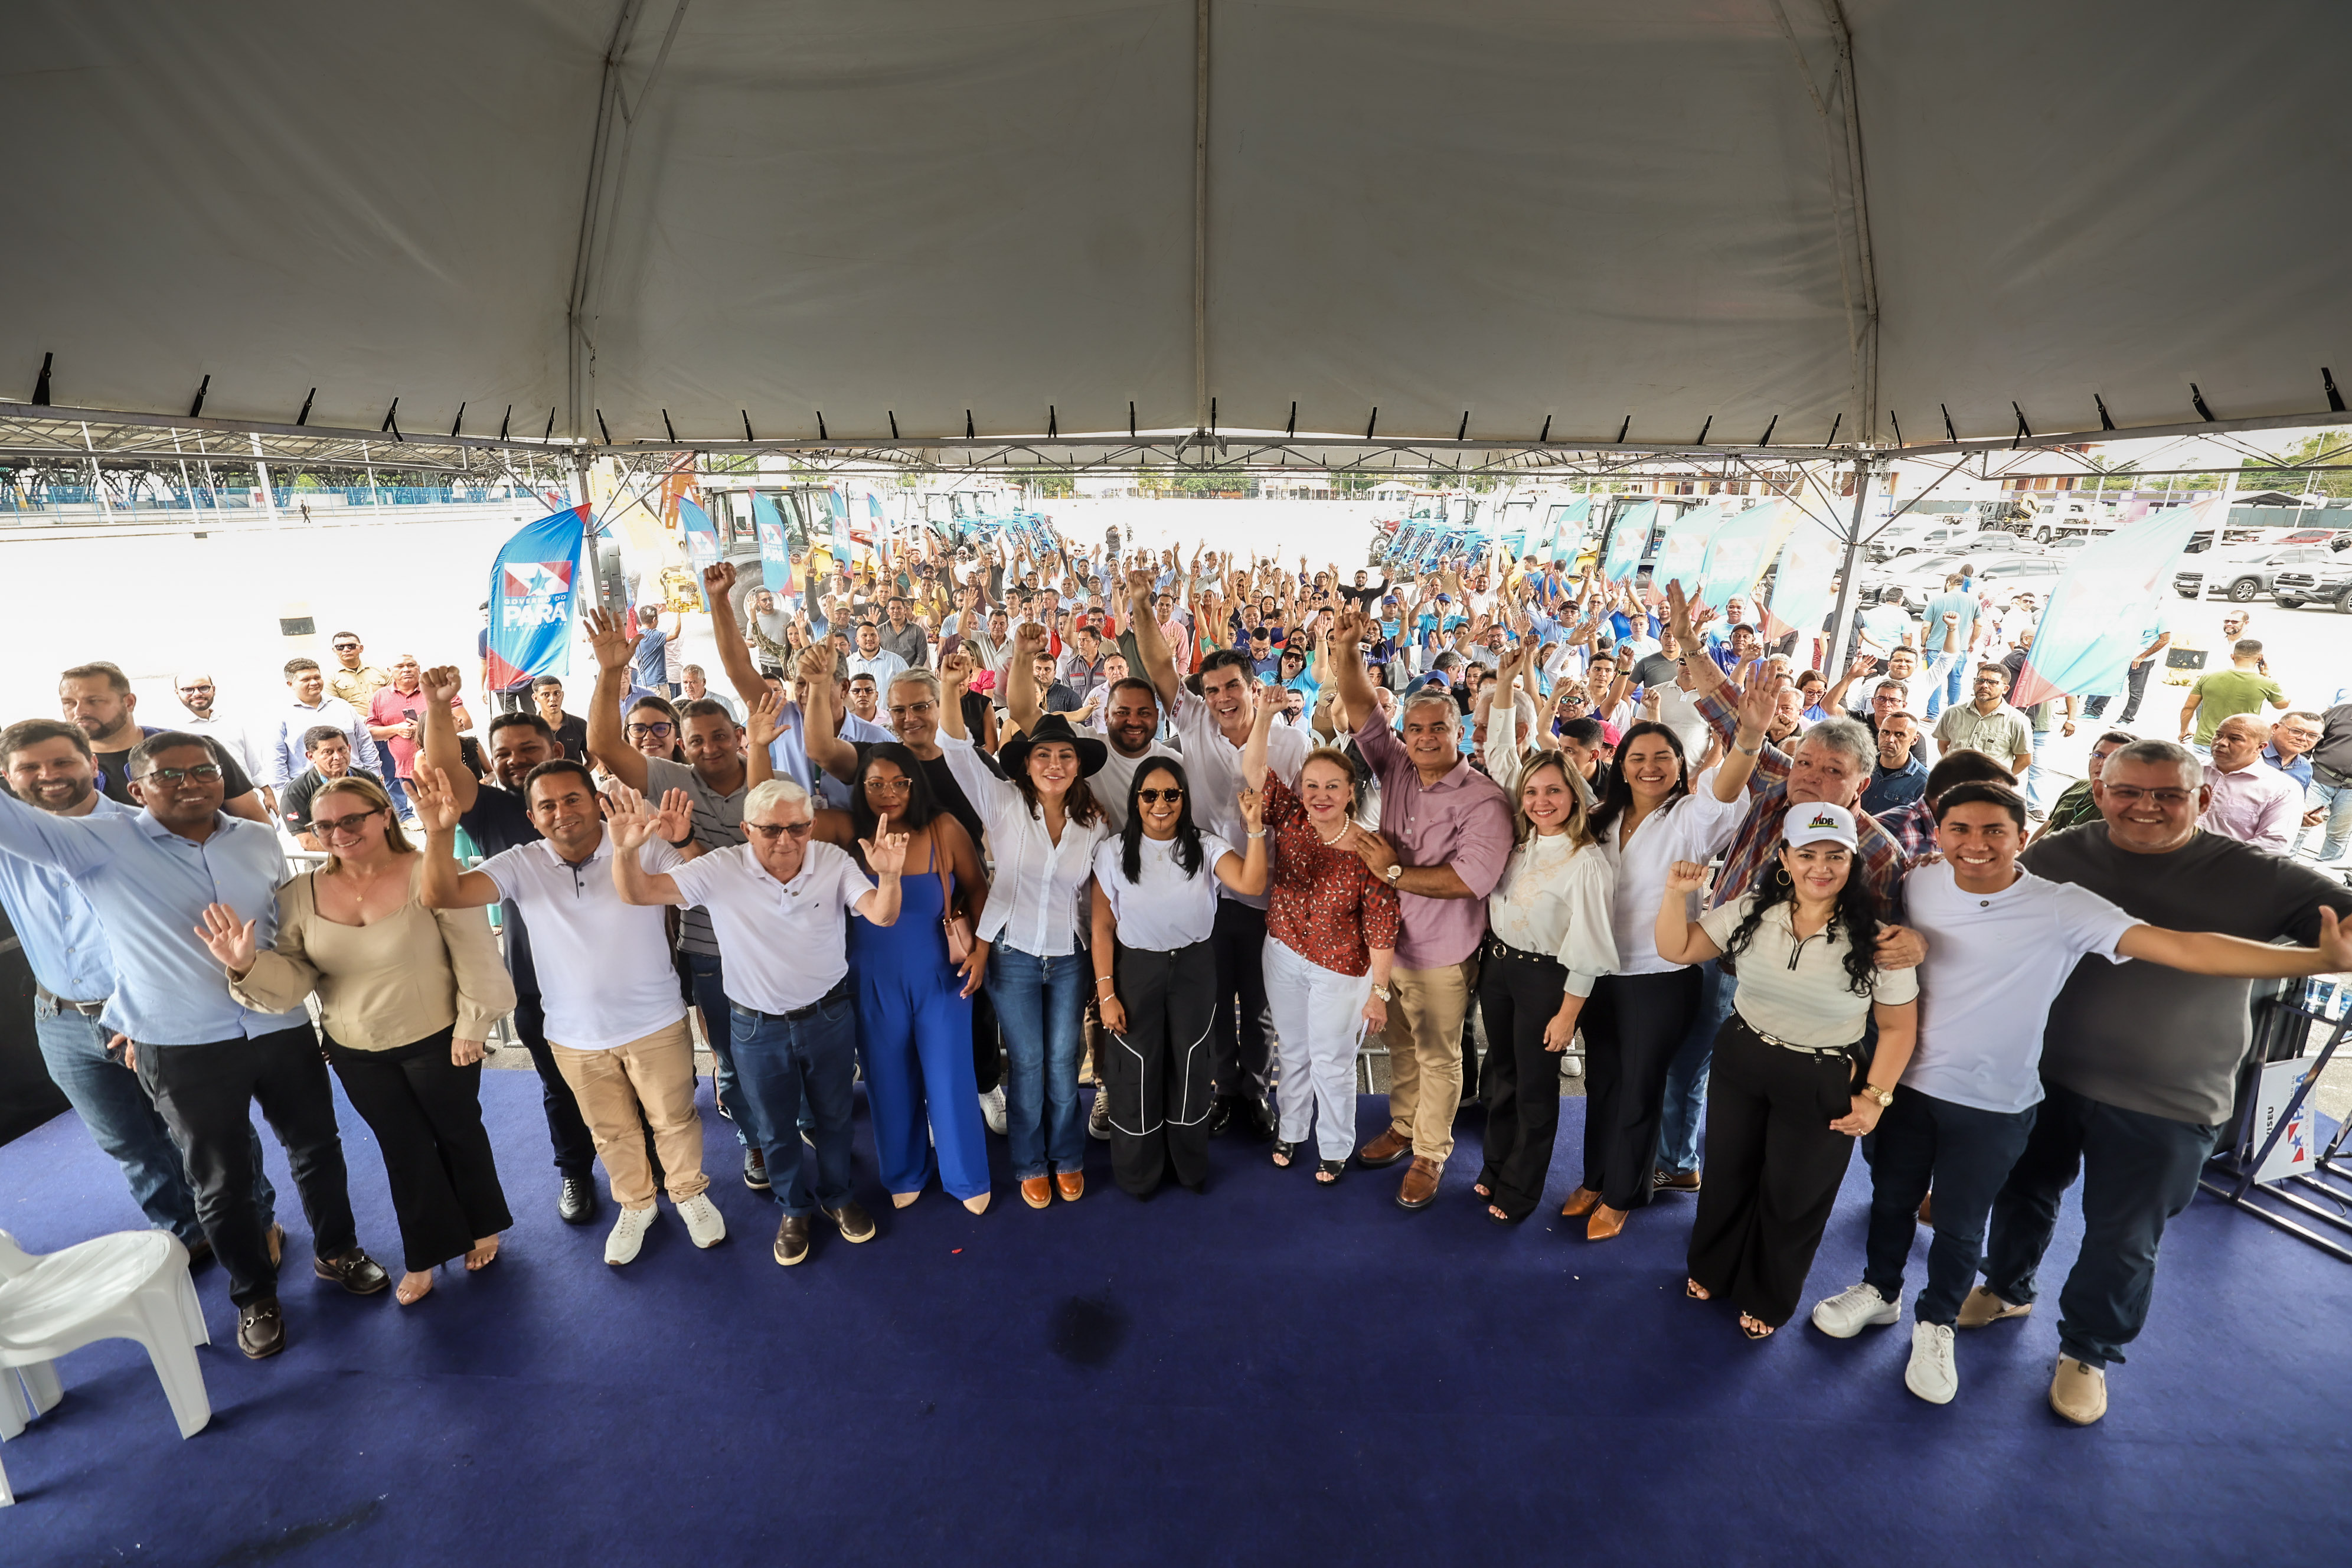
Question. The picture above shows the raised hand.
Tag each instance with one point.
(817, 663)
(443, 684)
(885, 852)
(1029, 639)
(1253, 808)
(1759, 696)
(429, 794)
(719, 584)
(1863, 663)
(631, 823)
(763, 721)
(1686, 877)
(606, 639)
(230, 939)
(675, 820)
(955, 674)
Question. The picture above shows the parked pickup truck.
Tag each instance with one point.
(2327, 581)
(2243, 575)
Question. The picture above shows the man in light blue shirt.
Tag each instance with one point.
(1947, 642)
(50, 765)
(309, 707)
(202, 1055)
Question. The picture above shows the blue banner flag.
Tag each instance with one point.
(1737, 552)
(2100, 608)
(1682, 552)
(775, 552)
(533, 580)
(1566, 530)
(1627, 539)
(701, 541)
(1803, 584)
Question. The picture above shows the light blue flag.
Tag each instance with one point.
(1682, 553)
(775, 550)
(701, 540)
(2103, 604)
(1803, 585)
(1628, 537)
(1567, 531)
(1737, 551)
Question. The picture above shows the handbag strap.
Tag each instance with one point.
(938, 869)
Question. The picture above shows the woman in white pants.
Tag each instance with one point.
(1331, 932)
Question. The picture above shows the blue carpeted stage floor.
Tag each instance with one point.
(1266, 1372)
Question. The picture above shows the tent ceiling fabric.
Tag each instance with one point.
(1525, 210)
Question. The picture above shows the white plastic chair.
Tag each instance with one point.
(131, 1285)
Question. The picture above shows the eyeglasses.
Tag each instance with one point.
(197, 686)
(202, 773)
(2132, 795)
(336, 826)
(651, 732)
(900, 711)
(1154, 796)
(769, 832)
(892, 785)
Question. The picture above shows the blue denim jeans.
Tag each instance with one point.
(2337, 827)
(2039, 780)
(1944, 672)
(1040, 1006)
(1684, 1117)
(782, 1066)
(399, 797)
(125, 1123)
(710, 999)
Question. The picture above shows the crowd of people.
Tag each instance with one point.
(978, 828)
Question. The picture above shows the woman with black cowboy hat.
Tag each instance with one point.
(1042, 826)
(1155, 903)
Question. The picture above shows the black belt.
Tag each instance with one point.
(840, 993)
(1504, 950)
(86, 1010)
(2333, 779)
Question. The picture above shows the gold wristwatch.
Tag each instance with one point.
(1882, 1097)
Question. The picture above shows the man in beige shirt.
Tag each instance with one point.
(1988, 724)
(355, 680)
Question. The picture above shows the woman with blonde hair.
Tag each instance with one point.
(408, 995)
(1548, 940)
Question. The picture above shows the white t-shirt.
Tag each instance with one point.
(1995, 963)
(1213, 766)
(785, 944)
(1112, 782)
(604, 973)
(1164, 910)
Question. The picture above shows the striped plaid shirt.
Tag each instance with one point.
(1882, 859)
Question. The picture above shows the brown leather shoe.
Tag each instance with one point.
(1605, 1223)
(1666, 1181)
(355, 1272)
(1385, 1150)
(1037, 1192)
(1420, 1185)
(1582, 1202)
(1071, 1184)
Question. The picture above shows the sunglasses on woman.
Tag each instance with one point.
(1154, 796)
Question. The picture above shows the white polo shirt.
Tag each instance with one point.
(1212, 765)
(604, 973)
(1995, 963)
(785, 944)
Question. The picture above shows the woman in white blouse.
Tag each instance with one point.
(1548, 941)
(1042, 829)
(1155, 902)
(1651, 816)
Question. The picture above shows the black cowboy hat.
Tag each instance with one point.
(1014, 755)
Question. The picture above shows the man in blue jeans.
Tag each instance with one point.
(48, 765)
(780, 905)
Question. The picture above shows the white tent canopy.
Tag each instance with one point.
(1654, 217)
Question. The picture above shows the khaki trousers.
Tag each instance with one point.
(1425, 1041)
(658, 1073)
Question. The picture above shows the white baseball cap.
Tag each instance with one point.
(1818, 823)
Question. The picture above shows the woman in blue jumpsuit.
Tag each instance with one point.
(914, 1006)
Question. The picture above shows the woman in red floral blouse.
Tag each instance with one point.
(1331, 932)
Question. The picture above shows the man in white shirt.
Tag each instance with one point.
(310, 707)
(197, 694)
(1213, 726)
(2250, 801)
(2002, 944)
(615, 1023)
(779, 903)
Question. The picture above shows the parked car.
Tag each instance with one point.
(2000, 541)
(1912, 579)
(2327, 581)
(1909, 536)
(2243, 576)
(2009, 575)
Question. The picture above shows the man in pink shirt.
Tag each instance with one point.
(1444, 838)
(2247, 799)
(392, 718)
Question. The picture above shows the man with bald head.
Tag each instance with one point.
(2249, 800)
(395, 722)
(199, 698)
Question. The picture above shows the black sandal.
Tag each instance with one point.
(1326, 1171)
(1283, 1153)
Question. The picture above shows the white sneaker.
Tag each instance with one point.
(1931, 1374)
(991, 1110)
(705, 1226)
(1854, 1309)
(629, 1234)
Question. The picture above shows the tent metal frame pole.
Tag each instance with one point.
(261, 472)
(1866, 468)
(1201, 217)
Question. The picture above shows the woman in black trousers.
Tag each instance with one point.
(408, 996)
(1155, 902)
(1786, 1101)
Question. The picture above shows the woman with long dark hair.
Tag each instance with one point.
(1651, 816)
(652, 727)
(1783, 1103)
(914, 995)
(1155, 903)
(1042, 826)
